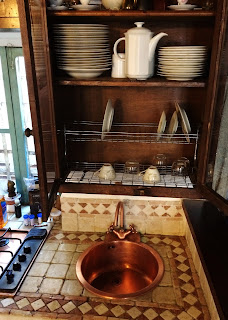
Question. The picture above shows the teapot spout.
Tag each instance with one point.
(154, 42)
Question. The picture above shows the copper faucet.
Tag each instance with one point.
(120, 232)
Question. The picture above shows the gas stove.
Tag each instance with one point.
(18, 250)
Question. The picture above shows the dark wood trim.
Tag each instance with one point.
(138, 14)
(25, 24)
(214, 198)
(153, 82)
(132, 191)
(210, 107)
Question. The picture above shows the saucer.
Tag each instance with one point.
(182, 7)
(108, 117)
(87, 7)
(57, 8)
(173, 124)
(161, 125)
(186, 128)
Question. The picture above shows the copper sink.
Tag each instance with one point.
(119, 269)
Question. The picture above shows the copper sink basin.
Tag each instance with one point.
(119, 269)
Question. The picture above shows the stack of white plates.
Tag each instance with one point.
(181, 63)
(82, 50)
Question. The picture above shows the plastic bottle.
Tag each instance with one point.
(39, 216)
(31, 217)
(26, 219)
(3, 212)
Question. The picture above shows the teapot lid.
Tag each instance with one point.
(139, 29)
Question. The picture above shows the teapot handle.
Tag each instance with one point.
(115, 48)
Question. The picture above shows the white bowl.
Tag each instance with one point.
(112, 4)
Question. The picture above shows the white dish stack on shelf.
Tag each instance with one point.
(82, 50)
(181, 63)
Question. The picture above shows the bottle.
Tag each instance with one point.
(3, 212)
(32, 217)
(39, 216)
(26, 219)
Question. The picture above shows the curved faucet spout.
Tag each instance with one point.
(119, 212)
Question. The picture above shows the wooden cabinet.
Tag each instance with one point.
(67, 113)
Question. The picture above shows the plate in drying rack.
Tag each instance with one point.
(108, 117)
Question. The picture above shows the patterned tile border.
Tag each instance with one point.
(179, 295)
(91, 213)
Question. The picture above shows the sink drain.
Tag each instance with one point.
(116, 282)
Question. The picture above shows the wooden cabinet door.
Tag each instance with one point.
(34, 34)
(213, 177)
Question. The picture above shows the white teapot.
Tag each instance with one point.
(139, 51)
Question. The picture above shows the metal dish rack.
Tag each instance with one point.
(84, 131)
(84, 172)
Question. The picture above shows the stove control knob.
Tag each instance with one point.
(9, 276)
(17, 266)
(21, 257)
(27, 249)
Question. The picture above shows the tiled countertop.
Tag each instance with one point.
(51, 289)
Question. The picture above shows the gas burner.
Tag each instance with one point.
(4, 242)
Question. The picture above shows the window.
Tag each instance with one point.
(17, 153)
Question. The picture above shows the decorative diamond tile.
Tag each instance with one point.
(194, 312)
(22, 303)
(85, 307)
(71, 236)
(175, 244)
(68, 307)
(94, 237)
(156, 240)
(178, 250)
(7, 302)
(182, 267)
(184, 316)
(38, 304)
(167, 240)
(145, 239)
(134, 312)
(188, 287)
(190, 299)
(181, 258)
(54, 305)
(150, 314)
(167, 315)
(101, 309)
(185, 277)
(117, 311)
(82, 237)
(59, 236)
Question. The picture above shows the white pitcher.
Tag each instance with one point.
(140, 48)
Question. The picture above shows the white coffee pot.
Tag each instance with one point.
(140, 48)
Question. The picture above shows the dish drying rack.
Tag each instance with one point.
(84, 172)
(125, 132)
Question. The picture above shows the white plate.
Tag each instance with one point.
(57, 8)
(67, 51)
(183, 47)
(161, 125)
(80, 25)
(181, 63)
(85, 73)
(182, 7)
(173, 124)
(88, 7)
(186, 128)
(108, 117)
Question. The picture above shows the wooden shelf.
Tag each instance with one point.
(133, 13)
(111, 82)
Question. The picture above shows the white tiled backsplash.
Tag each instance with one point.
(95, 213)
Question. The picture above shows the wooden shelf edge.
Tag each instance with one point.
(129, 190)
(133, 13)
(110, 82)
